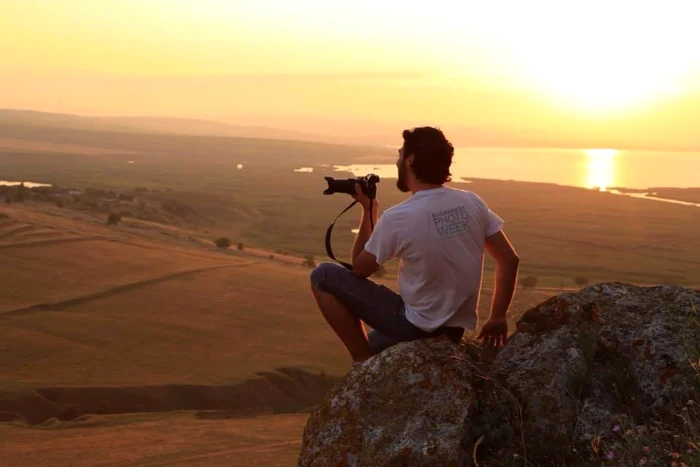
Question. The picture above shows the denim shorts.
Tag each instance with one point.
(376, 305)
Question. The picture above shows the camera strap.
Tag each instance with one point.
(329, 250)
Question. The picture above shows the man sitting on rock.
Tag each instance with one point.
(439, 233)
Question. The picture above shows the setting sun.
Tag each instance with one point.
(614, 57)
(601, 168)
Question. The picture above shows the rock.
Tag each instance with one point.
(580, 369)
(406, 406)
(580, 358)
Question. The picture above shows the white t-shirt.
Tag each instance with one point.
(439, 236)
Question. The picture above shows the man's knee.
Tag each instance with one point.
(325, 275)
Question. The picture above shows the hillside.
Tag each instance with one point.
(166, 125)
(148, 304)
(149, 301)
(105, 320)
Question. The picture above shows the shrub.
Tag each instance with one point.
(240, 247)
(529, 282)
(177, 208)
(581, 281)
(309, 261)
(21, 193)
(114, 219)
(222, 242)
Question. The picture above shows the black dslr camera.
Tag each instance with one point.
(368, 183)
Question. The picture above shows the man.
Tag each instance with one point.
(440, 235)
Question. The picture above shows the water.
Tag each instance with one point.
(588, 168)
(27, 184)
(653, 196)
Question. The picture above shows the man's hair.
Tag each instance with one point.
(432, 154)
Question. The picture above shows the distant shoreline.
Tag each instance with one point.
(688, 196)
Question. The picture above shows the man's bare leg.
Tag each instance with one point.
(348, 327)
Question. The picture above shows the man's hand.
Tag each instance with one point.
(495, 332)
(362, 198)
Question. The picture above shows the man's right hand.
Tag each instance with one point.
(495, 332)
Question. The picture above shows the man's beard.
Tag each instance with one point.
(401, 182)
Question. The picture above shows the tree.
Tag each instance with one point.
(114, 219)
(309, 261)
(581, 281)
(240, 246)
(222, 242)
(21, 193)
(529, 282)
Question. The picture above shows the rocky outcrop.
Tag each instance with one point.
(406, 405)
(582, 371)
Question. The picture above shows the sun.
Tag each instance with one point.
(608, 57)
(601, 168)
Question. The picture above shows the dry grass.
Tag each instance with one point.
(214, 327)
(158, 439)
(48, 258)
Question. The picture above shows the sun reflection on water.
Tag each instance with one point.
(601, 168)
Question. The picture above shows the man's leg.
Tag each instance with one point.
(345, 300)
(344, 323)
(378, 342)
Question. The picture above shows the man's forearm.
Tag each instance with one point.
(365, 230)
(506, 278)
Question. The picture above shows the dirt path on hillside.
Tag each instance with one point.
(53, 241)
(115, 290)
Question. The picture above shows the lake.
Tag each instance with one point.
(27, 184)
(589, 168)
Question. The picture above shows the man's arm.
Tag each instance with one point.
(507, 263)
(364, 263)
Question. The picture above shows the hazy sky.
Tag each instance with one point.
(568, 69)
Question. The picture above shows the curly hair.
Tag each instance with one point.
(432, 154)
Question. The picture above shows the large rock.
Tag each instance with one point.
(583, 362)
(406, 406)
(581, 367)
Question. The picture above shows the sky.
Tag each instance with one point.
(615, 71)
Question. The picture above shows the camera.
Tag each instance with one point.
(368, 183)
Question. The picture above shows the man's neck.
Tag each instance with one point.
(424, 186)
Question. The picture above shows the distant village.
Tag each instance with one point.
(139, 203)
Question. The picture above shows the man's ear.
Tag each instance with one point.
(410, 159)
